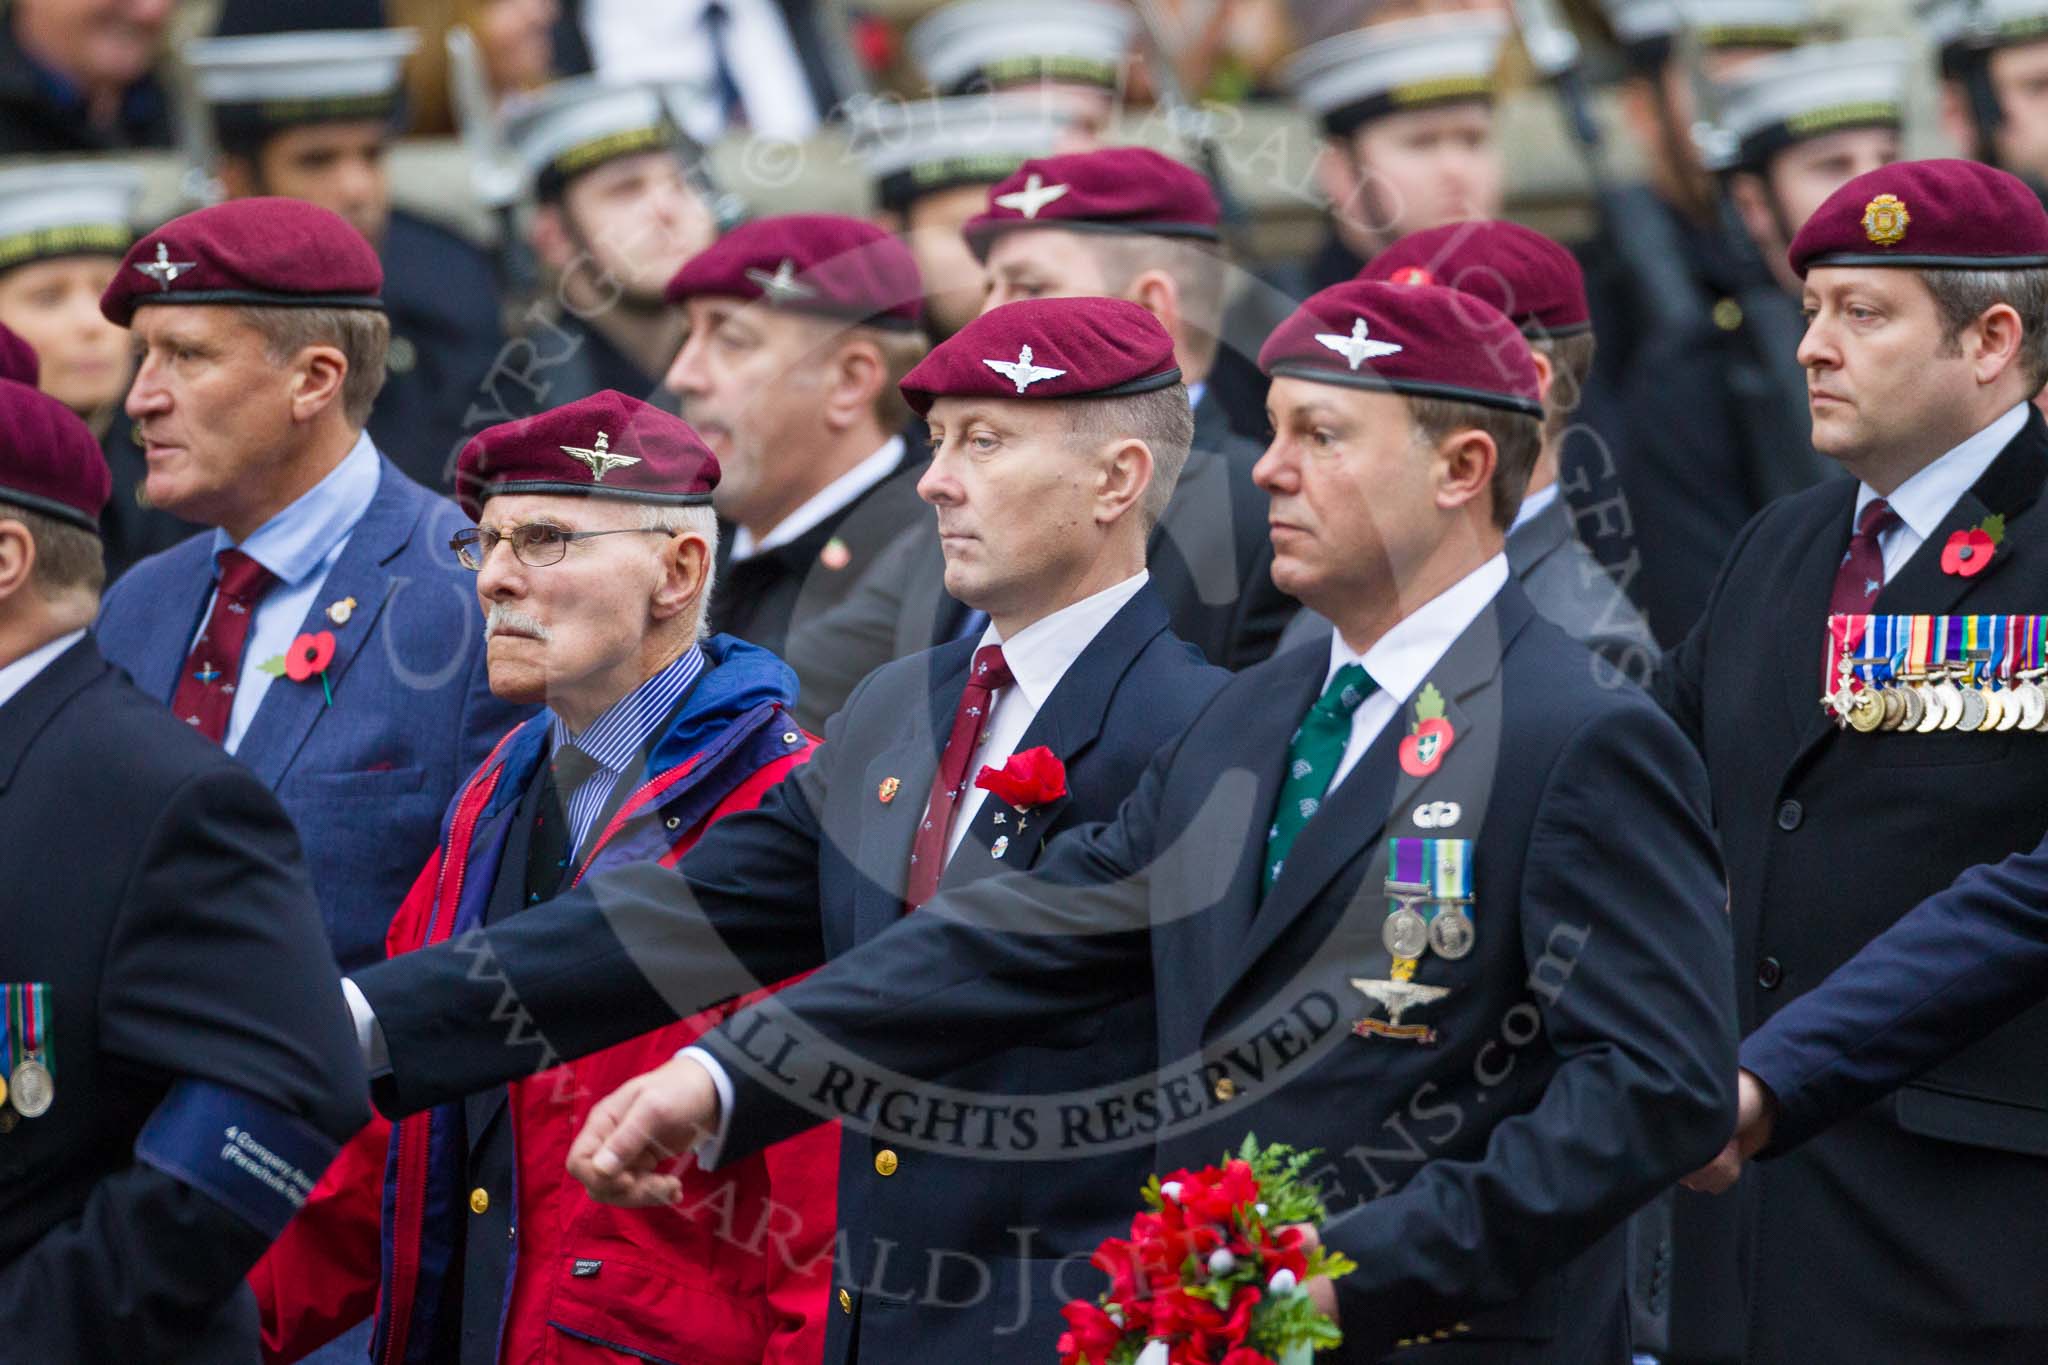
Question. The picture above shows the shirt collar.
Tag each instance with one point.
(1195, 392)
(299, 539)
(1400, 660)
(1533, 507)
(841, 492)
(23, 671)
(1925, 499)
(627, 728)
(1040, 654)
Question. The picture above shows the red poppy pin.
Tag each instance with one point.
(1030, 778)
(1431, 738)
(307, 659)
(1969, 552)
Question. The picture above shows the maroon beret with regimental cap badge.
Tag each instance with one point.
(49, 460)
(1048, 348)
(1941, 214)
(1419, 339)
(1118, 189)
(818, 263)
(605, 446)
(18, 360)
(1518, 270)
(267, 252)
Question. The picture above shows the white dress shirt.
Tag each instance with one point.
(23, 671)
(1925, 499)
(1039, 656)
(300, 546)
(839, 493)
(667, 42)
(1400, 660)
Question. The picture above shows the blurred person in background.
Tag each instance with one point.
(515, 39)
(80, 75)
(63, 231)
(1067, 57)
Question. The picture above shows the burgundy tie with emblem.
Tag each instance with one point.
(987, 675)
(1861, 575)
(206, 689)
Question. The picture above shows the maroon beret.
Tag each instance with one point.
(1938, 214)
(1048, 348)
(18, 360)
(49, 460)
(1118, 189)
(1518, 270)
(811, 263)
(1420, 339)
(606, 446)
(275, 252)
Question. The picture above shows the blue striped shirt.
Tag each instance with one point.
(617, 740)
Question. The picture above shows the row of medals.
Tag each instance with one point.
(1407, 934)
(1943, 701)
(28, 1094)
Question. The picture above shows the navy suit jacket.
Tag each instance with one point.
(942, 1255)
(366, 779)
(1958, 966)
(155, 887)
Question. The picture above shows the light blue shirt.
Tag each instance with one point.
(617, 739)
(300, 546)
(1924, 501)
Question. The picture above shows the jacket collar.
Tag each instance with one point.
(32, 708)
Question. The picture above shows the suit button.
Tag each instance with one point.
(845, 1302)
(479, 1200)
(885, 1162)
(1789, 816)
(1769, 973)
(1224, 1090)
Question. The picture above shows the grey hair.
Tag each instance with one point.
(698, 521)
(1963, 296)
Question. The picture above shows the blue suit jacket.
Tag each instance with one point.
(945, 1256)
(1581, 1055)
(365, 780)
(1959, 965)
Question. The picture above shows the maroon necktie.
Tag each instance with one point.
(206, 689)
(1861, 576)
(928, 853)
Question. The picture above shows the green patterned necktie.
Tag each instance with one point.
(1312, 760)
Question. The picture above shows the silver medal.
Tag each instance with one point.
(1450, 933)
(1406, 933)
(32, 1090)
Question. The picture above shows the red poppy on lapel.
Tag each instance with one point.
(1030, 778)
(1968, 552)
(309, 656)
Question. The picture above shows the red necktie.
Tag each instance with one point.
(1861, 576)
(206, 689)
(986, 675)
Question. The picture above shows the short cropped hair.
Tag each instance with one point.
(69, 558)
(1161, 419)
(1517, 439)
(1571, 361)
(1199, 271)
(362, 335)
(700, 521)
(1963, 296)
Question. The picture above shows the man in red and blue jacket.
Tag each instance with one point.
(593, 550)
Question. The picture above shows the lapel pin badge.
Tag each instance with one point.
(887, 791)
(339, 612)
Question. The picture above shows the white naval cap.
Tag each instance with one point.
(67, 208)
(576, 125)
(1355, 77)
(918, 147)
(994, 43)
(1788, 97)
(1959, 27)
(261, 81)
(1647, 27)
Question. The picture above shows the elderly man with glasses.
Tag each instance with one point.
(593, 549)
